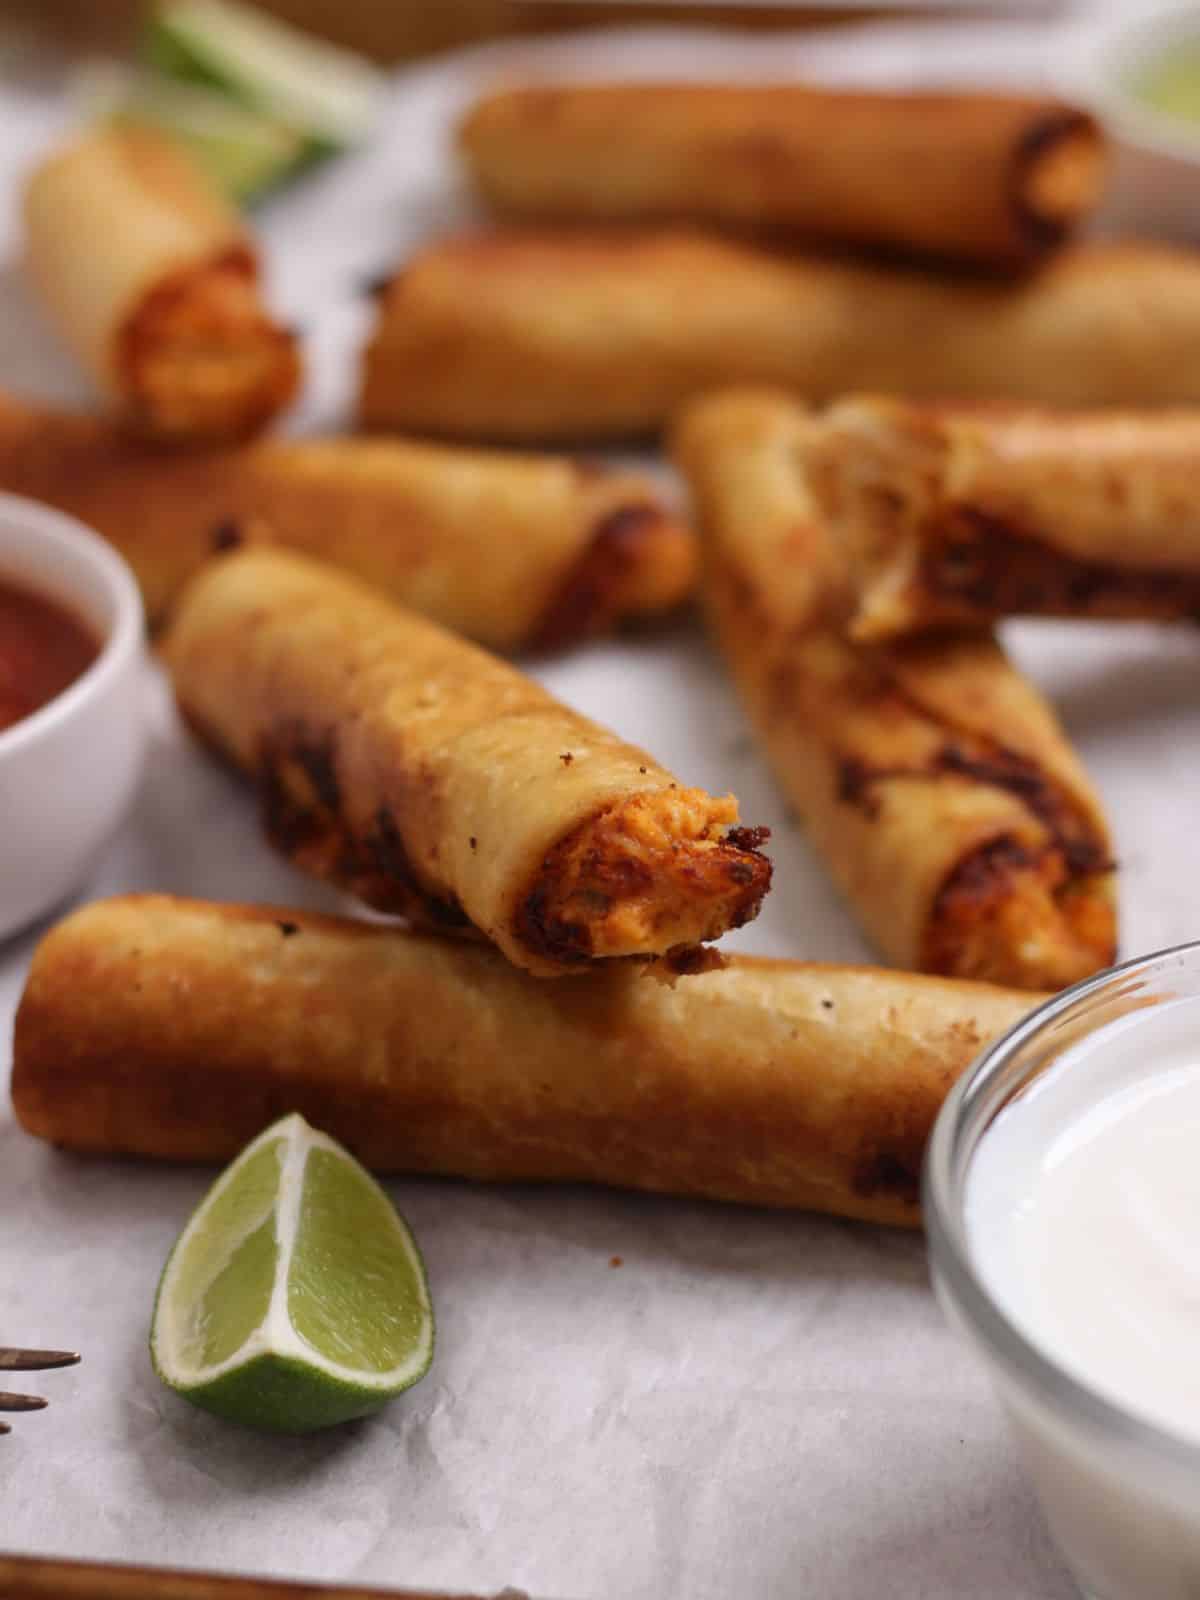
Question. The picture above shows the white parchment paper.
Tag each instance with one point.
(750, 1404)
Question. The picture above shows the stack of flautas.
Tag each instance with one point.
(516, 551)
(932, 778)
(314, 595)
(601, 308)
(152, 281)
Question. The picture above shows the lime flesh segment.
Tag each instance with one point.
(228, 1290)
(240, 1295)
(296, 1296)
(369, 1315)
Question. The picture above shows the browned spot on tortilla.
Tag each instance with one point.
(979, 565)
(998, 767)
(294, 818)
(893, 1170)
(316, 758)
(980, 874)
(303, 817)
(590, 598)
(388, 871)
(227, 535)
(855, 782)
(1005, 769)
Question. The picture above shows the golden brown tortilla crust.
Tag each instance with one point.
(962, 515)
(173, 1029)
(994, 179)
(931, 777)
(151, 280)
(435, 781)
(524, 335)
(515, 551)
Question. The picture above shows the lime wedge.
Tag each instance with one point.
(326, 93)
(243, 152)
(295, 1298)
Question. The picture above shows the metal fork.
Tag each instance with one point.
(29, 1361)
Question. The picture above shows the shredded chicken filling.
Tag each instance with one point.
(1011, 915)
(202, 357)
(655, 873)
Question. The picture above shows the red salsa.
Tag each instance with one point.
(43, 648)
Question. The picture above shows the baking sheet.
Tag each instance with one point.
(748, 1404)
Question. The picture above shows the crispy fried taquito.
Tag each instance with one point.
(556, 335)
(959, 516)
(998, 180)
(153, 1026)
(516, 551)
(151, 280)
(438, 782)
(932, 778)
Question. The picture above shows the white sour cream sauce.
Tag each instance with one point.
(1083, 1213)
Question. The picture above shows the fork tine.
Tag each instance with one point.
(14, 1360)
(21, 1402)
(35, 1360)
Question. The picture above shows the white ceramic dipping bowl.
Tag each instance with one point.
(68, 771)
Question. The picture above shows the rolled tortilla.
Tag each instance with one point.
(960, 516)
(152, 1026)
(526, 336)
(931, 777)
(151, 280)
(437, 782)
(516, 551)
(999, 180)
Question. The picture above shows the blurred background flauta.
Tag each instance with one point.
(395, 30)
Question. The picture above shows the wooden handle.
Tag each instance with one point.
(31, 1578)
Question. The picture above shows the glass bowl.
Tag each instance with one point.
(1120, 1493)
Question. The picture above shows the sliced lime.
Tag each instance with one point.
(295, 1298)
(244, 153)
(326, 93)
